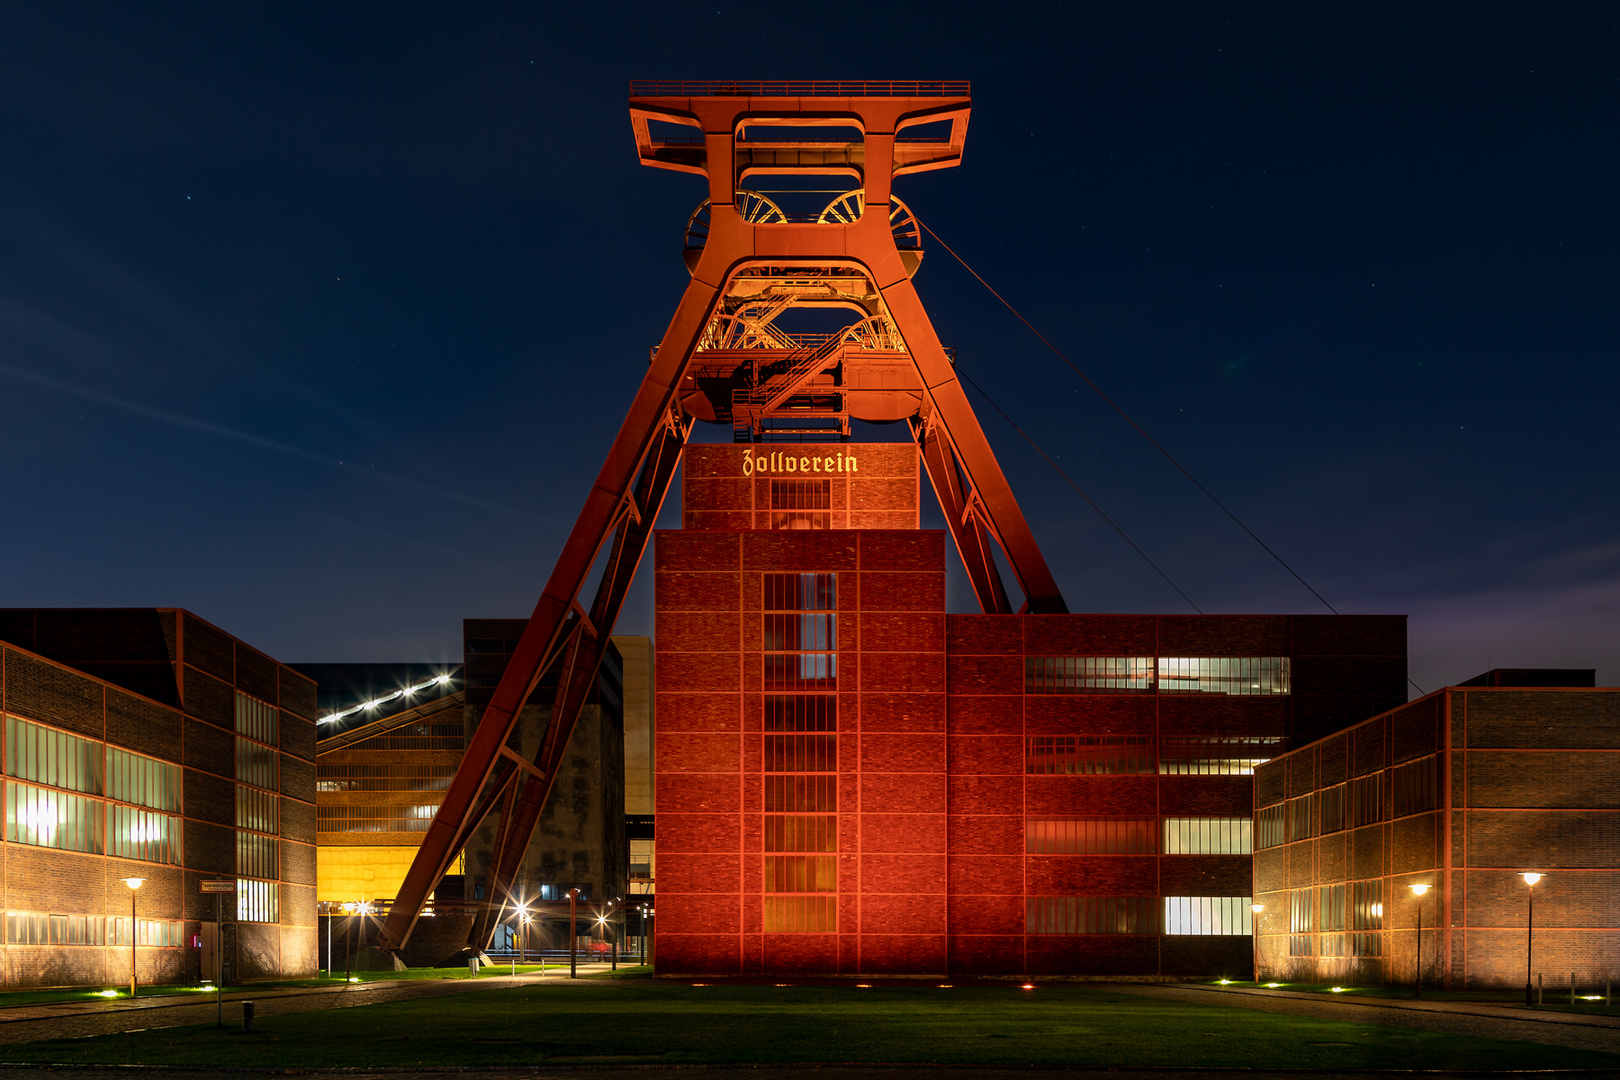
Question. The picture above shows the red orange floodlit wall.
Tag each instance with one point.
(848, 779)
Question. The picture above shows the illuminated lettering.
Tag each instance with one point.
(748, 463)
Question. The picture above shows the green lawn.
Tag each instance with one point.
(676, 1022)
(1553, 999)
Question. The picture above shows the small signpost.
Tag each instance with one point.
(219, 887)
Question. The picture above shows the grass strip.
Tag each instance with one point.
(678, 1023)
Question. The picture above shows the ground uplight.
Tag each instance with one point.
(1337, 989)
(1272, 986)
(1226, 982)
(105, 993)
(1028, 986)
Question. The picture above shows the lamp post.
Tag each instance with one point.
(1254, 938)
(134, 884)
(573, 934)
(1530, 879)
(1419, 889)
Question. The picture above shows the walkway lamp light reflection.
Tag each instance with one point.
(1254, 939)
(1419, 889)
(134, 884)
(1530, 879)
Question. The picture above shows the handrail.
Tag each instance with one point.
(799, 88)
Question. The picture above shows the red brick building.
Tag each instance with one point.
(1463, 791)
(851, 780)
(149, 744)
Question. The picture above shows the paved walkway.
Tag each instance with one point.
(76, 1019)
(1484, 1019)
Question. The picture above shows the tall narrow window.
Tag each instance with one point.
(799, 754)
(1271, 826)
(1367, 798)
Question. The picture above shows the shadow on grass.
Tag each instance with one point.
(642, 1021)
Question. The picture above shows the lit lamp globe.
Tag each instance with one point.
(1530, 877)
(1420, 889)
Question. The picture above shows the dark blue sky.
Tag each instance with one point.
(318, 319)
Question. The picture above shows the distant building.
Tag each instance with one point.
(384, 769)
(851, 780)
(1462, 790)
(147, 743)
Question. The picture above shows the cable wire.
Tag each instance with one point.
(1127, 417)
(1076, 487)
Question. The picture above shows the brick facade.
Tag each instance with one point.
(935, 780)
(163, 684)
(1523, 779)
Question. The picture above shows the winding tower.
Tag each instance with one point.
(800, 216)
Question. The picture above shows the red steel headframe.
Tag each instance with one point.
(631, 486)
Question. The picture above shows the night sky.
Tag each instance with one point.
(318, 319)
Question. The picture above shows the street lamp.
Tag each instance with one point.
(573, 934)
(134, 884)
(1530, 879)
(1254, 939)
(1419, 889)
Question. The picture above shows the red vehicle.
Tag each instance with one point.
(600, 949)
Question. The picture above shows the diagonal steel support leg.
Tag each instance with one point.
(577, 677)
(972, 540)
(610, 504)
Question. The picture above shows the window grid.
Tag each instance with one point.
(54, 819)
(1208, 836)
(256, 855)
(1333, 800)
(1367, 798)
(145, 835)
(1333, 908)
(1271, 826)
(256, 764)
(1240, 676)
(390, 777)
(1092, 915)
(257, 901)
(1367, 906)
(1216, 916)
(356, 818)
(1088, 755)
(257, 810)
(51, 757)
(1302, 817)
(1415, 786)
(1216, 755)
(801, 504)
(1089, 836)
(1302, 912)
(257, 719)
(417, 737)
(1087, 674)
(31, 928)
(799, 752)
(143, 781)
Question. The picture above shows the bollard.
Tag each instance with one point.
(1538, 988)
(247, 1016)
(1608, 985)
(1572, 988)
